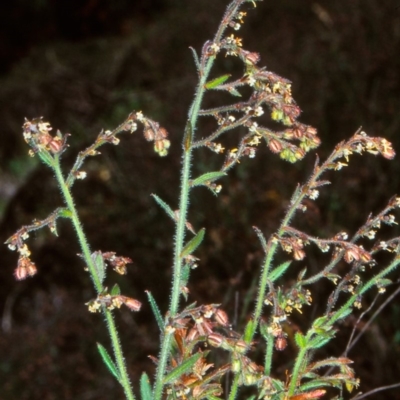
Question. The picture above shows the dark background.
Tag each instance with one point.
(85, 65)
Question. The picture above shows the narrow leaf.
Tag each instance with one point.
(208, 177)
(145, 388)
(248, 331)
(164, 206)
(261, 238)
(182, 369)
(217, 81)
(156, 311)
(193, 244)
(196, 58)
(98, 260)
(279, 271)
(108, 361)
(234, 92)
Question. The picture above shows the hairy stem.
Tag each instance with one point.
(180, 227)
(112, 330)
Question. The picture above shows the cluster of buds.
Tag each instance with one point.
(201, 320)
(25, 267)
(269, 89)
(293, 245)
(191, 328)
(118, 263)
(295, 298)
(152, 131)
(37, 135)
(113, 301)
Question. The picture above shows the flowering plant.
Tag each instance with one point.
(190, 335)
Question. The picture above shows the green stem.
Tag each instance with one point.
(112, 330)
(234, 387)
(268, 355)
(180, 227)
(296, 370)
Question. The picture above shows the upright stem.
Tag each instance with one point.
(180, 227)
(112, 330)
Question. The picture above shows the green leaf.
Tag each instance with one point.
(108, 361)
(182, 369)
(300, 339)
(156, 311)
(279, 271)
(319, 341)
(217, 81)
(98, 260)
(234, 92)
(145, 388)
(64, 213)
(193, 244)
(164, 206)
(208, 177)
(115, 291)
(248, 331)
(185, 274)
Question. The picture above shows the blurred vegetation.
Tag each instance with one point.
(84, 65)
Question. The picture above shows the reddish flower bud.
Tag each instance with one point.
(275, 146)
(221, 317)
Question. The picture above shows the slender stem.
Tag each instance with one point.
(112, 330)
(296, 370)
(180, 228)
(268, 355)
(234, 388)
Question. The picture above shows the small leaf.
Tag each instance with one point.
(248, 331)
(115, 291)
(64, 213)
(279, 271)
(145, 388)
(164, 206)
(196, 58)
(108, 361)
(300, 339)
(301, 274)
(187, 137)
(261, 238)
(182, 369)
(98, 260)
(208, 177)
(234, 92)
(193, 244)
(217, 81)
(156, 311)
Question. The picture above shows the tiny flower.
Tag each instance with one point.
(81, 175)
(139, 116)
(258, 111)
(382, 290)
(370, 234)
(339, 166)
(313, 194)
(250, 80)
